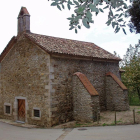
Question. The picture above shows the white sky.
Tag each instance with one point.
(48, 20)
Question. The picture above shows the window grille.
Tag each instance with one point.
(7, 109)
(36, 113)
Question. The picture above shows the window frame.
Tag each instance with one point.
(34, 117)
(5, 113)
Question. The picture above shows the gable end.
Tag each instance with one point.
(8, 47)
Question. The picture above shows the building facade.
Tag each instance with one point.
(47, 80)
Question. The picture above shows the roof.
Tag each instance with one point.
(8, 47)
(23, 11)
(70, 47)
(117, 80)
(55, 45)
(89, 87)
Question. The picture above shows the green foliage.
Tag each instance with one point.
(131, 65)
(134, 99)
(116, 122)
(134, 12)
(104, 124)
(78, 125)
(112, 124)
(84, 10)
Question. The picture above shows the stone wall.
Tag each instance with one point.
(25, 75)
(117, 98)
(85, 106)
(0, 94)
(46, 82)
(95, 107)
(61, 83)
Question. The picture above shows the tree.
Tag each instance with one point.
(131, 65)
(84, 10)
(134, 12)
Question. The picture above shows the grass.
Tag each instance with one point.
(138, 112)
(113, 123)
(138, 108)
(78, 125)
(104, 124)
(134, 100)
(118, 121)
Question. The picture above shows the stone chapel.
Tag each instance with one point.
(47, 80)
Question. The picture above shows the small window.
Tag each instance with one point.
(36, 113)
(7, 109)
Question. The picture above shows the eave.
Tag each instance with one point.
(8, 47)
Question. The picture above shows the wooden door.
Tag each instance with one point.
(21, 110)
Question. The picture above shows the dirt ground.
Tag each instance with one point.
(122, 117)
(108, 118)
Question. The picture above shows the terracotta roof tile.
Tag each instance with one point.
(89, 87)
(117, 80)
(70, 47)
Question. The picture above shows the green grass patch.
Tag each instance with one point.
(138, 112)
(112, 124)
(78, 125)
(118, 121)
(104, 124)
(134, 100)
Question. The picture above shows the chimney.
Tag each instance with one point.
(23, 21)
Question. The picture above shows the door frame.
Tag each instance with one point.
(16, 108)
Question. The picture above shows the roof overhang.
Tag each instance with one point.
(87, 84)
(117, 80)
(8, 47)
(66, 56)
(53, 54)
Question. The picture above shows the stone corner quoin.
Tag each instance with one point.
(38, 84)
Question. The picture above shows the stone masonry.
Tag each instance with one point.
(117, 96)
(25, 74)
(85, 106)
(62, 70)
(36, 76)
(46, 83)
